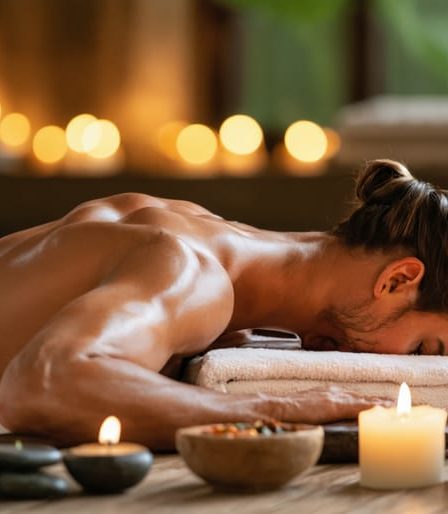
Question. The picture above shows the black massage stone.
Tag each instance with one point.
(31, 485)
(27, 456)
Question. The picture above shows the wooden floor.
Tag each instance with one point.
(171, 488)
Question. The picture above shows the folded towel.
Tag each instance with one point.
(284, 371)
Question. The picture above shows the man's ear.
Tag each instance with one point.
(400, 276)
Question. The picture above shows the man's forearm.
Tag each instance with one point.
(67, 397)
(76, 397)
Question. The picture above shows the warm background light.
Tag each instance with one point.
(333, 142)
(197, 144)
(49, 144)
(75, 131)
(14, 129)
(167, 137)
(306, 141)
(101, 139)
(241, 134)
(110, 431)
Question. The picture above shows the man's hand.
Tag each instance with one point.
(323, 405)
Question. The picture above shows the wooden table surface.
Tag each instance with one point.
(171, 488)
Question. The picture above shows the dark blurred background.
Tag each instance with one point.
(261, 110)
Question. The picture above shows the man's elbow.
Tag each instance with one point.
(29, 393)
(19, 398)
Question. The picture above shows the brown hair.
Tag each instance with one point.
(394, 209)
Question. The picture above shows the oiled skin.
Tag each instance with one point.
(95, 309)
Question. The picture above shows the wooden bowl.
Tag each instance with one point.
(250, 463)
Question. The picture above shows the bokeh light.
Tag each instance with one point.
(197, 144)
(241, 134)
(306, 141)
(101, 139)
(333, 142)
(167, 136)
(14, 129)
(75, 131)
(49, 145)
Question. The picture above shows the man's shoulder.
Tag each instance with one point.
(127, 205)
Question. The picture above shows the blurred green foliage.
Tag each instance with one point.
(417, 44)
(297, 54)
(302, 11)
(293, 72)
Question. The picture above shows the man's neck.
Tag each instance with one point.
(285, 284)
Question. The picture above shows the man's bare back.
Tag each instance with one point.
(156, 244)
(96, 304)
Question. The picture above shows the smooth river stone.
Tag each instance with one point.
(341, 443)
(32, 485)
(27, 456)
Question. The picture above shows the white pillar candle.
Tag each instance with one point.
(402, 447)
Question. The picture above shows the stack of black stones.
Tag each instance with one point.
(21, 475)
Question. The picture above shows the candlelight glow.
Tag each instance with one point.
(167, 137)
(14, 129)
(306, 141)
(75, 130)
(197, 144)
(404, 401)
(101, 139)
(110, 431)
(49, 144)
(241, 134)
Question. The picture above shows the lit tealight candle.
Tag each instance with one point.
(108, 466)
(402, 447)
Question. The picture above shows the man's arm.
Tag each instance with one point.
(54, 388)
(66, 396)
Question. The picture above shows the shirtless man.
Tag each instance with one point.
(97, 306)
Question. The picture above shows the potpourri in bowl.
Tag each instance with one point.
(250, 456)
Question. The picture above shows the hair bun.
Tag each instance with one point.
(381, 181)
(399, 212)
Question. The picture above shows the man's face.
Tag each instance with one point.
(412, 332)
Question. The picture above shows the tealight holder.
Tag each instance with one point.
(108, 466)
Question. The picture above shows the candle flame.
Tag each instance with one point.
(404, 401)
(110, 431)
